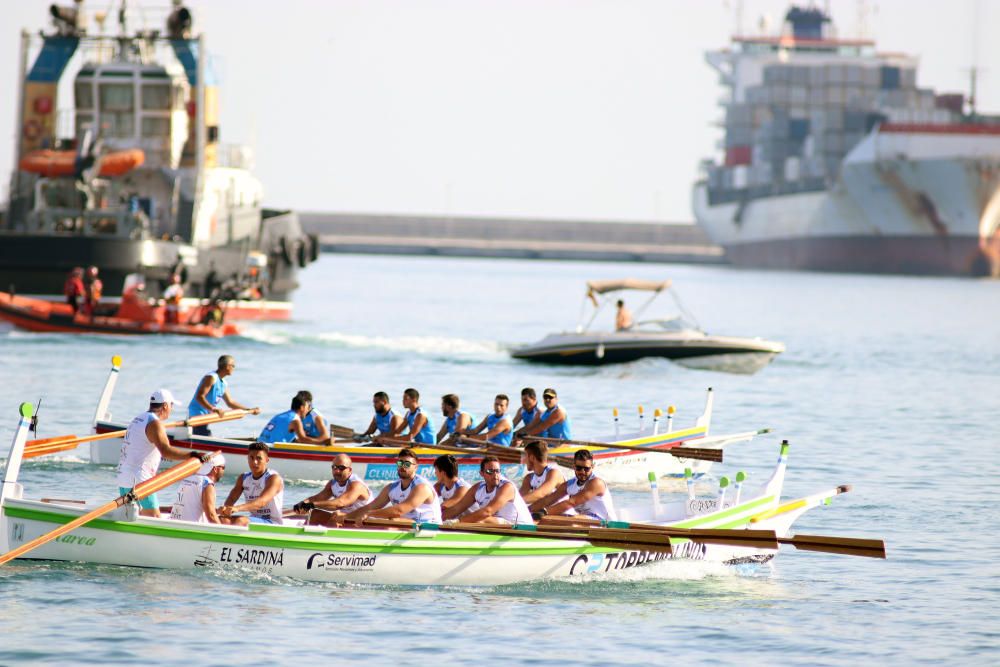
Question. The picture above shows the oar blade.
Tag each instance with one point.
(847, 546)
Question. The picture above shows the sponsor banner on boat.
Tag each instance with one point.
(261, 560)
(341, 562)
(594, 563)
(386, 472)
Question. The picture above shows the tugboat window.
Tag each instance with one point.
(156, 97)
(84, 94)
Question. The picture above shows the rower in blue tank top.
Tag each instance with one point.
(418, 425)
(554, 422)
(455, 419)
(385, 422)
(314, 423)
(288, 426)
(212, 391)
(499, 428)
(529, 410)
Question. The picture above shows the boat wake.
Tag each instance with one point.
(426, 345)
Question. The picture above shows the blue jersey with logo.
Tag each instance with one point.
(277, 429)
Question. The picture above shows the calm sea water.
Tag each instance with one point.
(889, 384)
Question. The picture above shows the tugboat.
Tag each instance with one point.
(132, 177)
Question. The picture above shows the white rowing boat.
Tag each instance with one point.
(424, 555)
(378, 463)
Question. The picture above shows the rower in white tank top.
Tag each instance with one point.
(188, 506)
(447, 494)
(337, 490)
(536, 480)
(599, 507)
(139, 459)
(428, 512)
(254, 488)
(514, 512)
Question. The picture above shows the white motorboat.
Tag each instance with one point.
(679, 339)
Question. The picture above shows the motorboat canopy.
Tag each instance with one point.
(598, 291)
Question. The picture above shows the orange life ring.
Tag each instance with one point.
(32, 129)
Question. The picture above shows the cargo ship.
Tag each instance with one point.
(834, 159)
(119, 165)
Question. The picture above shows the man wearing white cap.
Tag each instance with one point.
(146, 444)
(196, 495)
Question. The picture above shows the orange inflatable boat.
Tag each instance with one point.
(52, 164)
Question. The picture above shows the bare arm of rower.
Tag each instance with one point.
(371, 428)
(235, 494)
(477, 429)
(323, 436)
(502, 427)
(552, 480)
(208, 503)
(418, 424)
(417, 497)
(543, 503)
(271, 488)
(537, 426)
(504, 495)
(237, 406)
(593, 488)
(442, 433)
(157, 435)
(362, 513)
(202, 395)
(300, 434)
(456, 497)
(355, 491)
(518, 416)
(456, 509)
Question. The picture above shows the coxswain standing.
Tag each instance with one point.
(586, 494)
(410, 497)
(494, 500)
(212, 390)
(73, 289)
(145, 445)
(172, 297)
(263, 489)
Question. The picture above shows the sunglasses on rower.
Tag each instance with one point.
(338, 468)
(584, 468)
(404, 463)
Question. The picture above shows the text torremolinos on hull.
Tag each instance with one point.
(129, 175)
(835, 160)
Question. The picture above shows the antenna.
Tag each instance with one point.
(974, 69)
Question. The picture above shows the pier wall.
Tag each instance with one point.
(511, 237)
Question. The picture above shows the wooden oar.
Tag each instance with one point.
(141, 490)
(847, 546)
(674, 450)
(66, 442)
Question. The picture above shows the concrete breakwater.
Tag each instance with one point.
(511, 237)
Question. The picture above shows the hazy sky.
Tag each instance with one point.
(549, 108)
